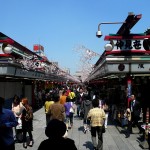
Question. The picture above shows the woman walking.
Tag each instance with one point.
(129, 124)
(49, 101)
(17, 109)
(69, 111)
(27, 122)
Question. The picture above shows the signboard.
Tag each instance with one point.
(28, 74)
(38, 47)
(128, 44)
(7, 71)
(125, 68)
(114, 68)
(129, 90)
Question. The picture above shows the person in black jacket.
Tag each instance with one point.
(55, 131)
(86, 105)
(135, 112)
(79, 100)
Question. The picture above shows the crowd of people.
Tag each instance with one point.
(60, 107)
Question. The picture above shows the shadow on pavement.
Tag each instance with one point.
(88, 145)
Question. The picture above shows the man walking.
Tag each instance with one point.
(135, 112)
(57, 110)
(97, 119)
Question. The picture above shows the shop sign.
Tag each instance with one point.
(7, 70)
(116, 68)
(129, 88)
(124, 68)
(128, 44)
(140, 67)
(28, 74)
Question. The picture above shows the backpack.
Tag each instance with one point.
(29, 114)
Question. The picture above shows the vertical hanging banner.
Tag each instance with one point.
(128, 89)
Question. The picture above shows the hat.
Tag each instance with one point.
(55, 128)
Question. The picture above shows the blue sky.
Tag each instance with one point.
(62, 25)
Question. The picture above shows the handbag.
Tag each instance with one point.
(19, 126)
(103, 129)
(72, 109)
(29, 114)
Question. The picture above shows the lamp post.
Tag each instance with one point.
(109, 47)
(99, 32)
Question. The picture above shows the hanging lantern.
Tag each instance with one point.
(108, 47)
(7, 50)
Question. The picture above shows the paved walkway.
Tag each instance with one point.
(114, 139)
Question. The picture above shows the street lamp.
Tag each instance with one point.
(99, 32)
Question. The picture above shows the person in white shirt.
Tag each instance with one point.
(17, 109)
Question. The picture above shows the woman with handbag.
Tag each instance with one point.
(17, 109)
(69, 111)
(27, 122)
